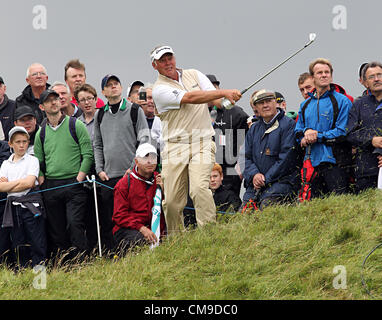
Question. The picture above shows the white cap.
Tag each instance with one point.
(157, 53)
(16, 130)
(144, 149)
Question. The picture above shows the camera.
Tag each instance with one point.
(142, 95)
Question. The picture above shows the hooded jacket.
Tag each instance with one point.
(319, 116)
(27, 98)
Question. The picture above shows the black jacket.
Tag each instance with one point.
(226, 200)
(232, 124)
(7, 109)
(365, 122)
(28, 99)
(28, 201)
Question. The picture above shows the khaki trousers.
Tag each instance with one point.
(187, 166)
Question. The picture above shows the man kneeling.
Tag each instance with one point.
(134, 199)
(271, 163)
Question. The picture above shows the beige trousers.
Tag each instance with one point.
(187, 167)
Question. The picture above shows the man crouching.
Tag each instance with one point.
(134, 199)
(271, 162)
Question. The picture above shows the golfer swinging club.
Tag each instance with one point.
(181, 98)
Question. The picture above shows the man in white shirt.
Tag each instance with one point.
(181, 98)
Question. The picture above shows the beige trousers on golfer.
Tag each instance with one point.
(187, 166)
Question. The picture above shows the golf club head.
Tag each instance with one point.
(312, 37)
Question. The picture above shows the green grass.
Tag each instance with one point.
(284, 252)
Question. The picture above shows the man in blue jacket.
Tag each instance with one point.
(322, 124)
(365, 127)
(271, 163)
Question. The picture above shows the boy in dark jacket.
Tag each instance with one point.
(225, 199)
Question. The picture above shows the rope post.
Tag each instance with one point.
(96, 209)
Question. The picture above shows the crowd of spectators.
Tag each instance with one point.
(175, 136)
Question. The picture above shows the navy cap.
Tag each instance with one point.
(107, 78)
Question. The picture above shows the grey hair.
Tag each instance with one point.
(373, 64)
(148, 85)
(59, 83)
(35, 64)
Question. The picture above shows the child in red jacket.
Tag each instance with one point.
(134, 199)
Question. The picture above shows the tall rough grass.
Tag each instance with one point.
(283, 252)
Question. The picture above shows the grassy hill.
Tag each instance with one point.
(284, 252)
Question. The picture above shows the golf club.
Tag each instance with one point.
(228, 105)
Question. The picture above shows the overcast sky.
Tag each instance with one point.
(238, 41)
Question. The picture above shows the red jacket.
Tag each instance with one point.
(339, 89)
(132, 205)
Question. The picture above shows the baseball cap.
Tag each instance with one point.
(144, 149)
(279, 97)
(213, 79)
(23, 111)
(262, 95)
(158, 52)
(16, 130)
(46, 94)
(106, 78)
(132, 85)
(1, 80)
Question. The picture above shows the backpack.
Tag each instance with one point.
(133, 115)
(340, 147)
(73, 133)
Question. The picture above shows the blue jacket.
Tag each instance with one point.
(365, 122)
(269, 149)
(319, 116)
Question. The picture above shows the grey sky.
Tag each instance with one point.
(238, 41)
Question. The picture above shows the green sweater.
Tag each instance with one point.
(62, 153)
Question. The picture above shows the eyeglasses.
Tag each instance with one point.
(375, 76)
(84, 100)
(35, 74)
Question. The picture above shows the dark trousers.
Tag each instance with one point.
(106, 208)
(126, 239)
(105, 221)
(330, 179)
(363, 183)
(28, 230)
(65, 211)
(6, 252)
